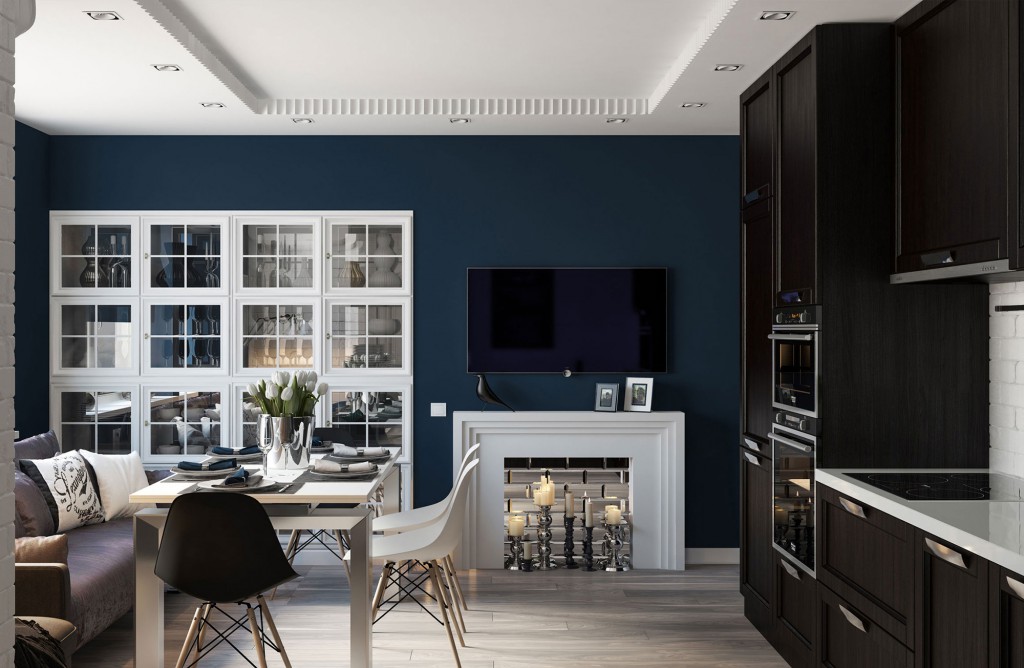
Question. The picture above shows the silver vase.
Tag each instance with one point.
(285, 441)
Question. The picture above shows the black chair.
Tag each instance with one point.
(222, 548)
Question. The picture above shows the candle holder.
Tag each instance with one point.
(544, 562)
(569, 524)
(588, 549)
(613, 541)
(515, 560)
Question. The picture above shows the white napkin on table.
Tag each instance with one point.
(327, 466)
(346, 451)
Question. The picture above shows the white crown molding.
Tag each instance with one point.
(455, 106)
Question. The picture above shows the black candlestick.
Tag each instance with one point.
(588, 549)
(569, 561)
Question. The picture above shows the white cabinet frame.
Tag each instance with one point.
(405, 303)
(280, 222)
(57, 368)
(146, 421)
(94, 420)
(149, 221)
(242, 333)
(372, 219)
(226, 342)
(95, 220)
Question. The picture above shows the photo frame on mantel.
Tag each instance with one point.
(638, 393)
(606, 398)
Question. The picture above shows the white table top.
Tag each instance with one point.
(165, 491)
(993, 530)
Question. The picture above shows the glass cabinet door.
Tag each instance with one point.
(94, 337)
(189, 336)
(278, 253)
(367, 253)
(185, 254)
(247, 414)
(99, 420)
(278, 336)
(93, 253)
(182, 422)
(368, 337)
(368, 418)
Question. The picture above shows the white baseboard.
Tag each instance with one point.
(712, 555)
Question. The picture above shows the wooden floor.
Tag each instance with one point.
(560, 618)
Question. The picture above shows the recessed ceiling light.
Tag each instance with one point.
(166, 68)
(460, 121)
(693, 105)
(302, 121)
(776, 16)
(104, 16)
(616, 121)
(727, 68)
(212, 105)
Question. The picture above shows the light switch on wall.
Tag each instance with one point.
(438, 410)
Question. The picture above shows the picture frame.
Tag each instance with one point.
(637, 397)
(606, 397)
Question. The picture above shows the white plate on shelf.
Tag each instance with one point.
(222, 473)
(219, 486)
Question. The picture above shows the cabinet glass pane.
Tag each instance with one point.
(366, 256)
(295, 272)
(95, 256)
(385, 260)
(348, 240)
(277, 336)
(184, 422)
(186, 336)
(185, 256)
(277, 256)
(348, 273)
(367, 418)
(97, 421)
(366, 336)
(250, 413)
(96, 337)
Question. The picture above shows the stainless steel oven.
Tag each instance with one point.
(795, 360)
(793, 461)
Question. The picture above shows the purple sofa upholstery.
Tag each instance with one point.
(97, 586)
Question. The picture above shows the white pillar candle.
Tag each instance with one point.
(570, 509)
(588, 513)
(527, 549)
(516, 525)
(612, 515)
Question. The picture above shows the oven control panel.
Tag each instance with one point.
(802, 423)
(792, 316)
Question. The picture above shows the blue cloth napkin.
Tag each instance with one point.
(317, 442)
(220, 450)
(210, 466)
(238, 478)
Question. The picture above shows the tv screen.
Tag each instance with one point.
(586, 320)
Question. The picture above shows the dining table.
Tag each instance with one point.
(298, 505)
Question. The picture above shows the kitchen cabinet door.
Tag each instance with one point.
(851, 639)
(1006, 618)
(796, 621)
(756, 553)
(952, 606)
(757, 140)
(756, 409)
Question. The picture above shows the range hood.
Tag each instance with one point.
(993, 271)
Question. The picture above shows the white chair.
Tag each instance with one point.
(426, 545)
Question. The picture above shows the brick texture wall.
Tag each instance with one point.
(1006, 379)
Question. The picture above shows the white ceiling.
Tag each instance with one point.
(406, 66)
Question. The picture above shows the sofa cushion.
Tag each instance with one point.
(41, 446)
(66, 485)
(102, 567)
(41, 550)
(117, 476)
(31, 514)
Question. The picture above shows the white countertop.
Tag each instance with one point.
(991, 529)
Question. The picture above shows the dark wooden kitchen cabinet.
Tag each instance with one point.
(756, 553)
(757, 140)
(756, 356)
(952, 605)
(957, 148)
(1006, 618)
(849, 638)
(796, 613)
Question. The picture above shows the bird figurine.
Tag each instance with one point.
(487, 395)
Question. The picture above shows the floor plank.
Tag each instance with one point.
(566, 618)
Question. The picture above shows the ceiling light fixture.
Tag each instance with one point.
(303, 121)
(727, 68)
(212, 105)
(693, 105)
(615, 121)
(460, 121)
(776, 16)
(104, 16)
(166, 68)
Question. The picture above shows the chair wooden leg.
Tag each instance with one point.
(450, 591)
(257, 637)
(379, 594)
(339, 538)
(269, 619)
(186, 649)
(455, 576)
(202, 630)
(444, 615)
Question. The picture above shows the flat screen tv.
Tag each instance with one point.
(584, 320)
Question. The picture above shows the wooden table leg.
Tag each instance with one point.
(149, 598)
(361, 626)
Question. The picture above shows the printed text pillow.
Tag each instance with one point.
(67, 488)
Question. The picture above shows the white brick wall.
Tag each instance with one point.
(1006, 379)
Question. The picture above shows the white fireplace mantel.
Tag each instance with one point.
(653, 442)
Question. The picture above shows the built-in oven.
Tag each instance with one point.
(795, 359)
(793, 457)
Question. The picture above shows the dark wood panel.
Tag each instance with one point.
(796, 613)
(756, 417)
(955, 142)
(757, 139)
(952, 607)
(796, 187)
(845, 645)
(756, 558)
(1006, 620)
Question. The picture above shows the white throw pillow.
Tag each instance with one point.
(118, 476)
(67, 488)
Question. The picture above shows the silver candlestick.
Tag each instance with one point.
(544, 562)
(613, 542)
(515, 561)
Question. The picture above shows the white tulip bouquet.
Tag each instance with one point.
(288, 394)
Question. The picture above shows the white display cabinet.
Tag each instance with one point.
(368, 415)
(367, 253)
(277, 254)
(183, 423)
(95, 336)
(190, 337)
(368, 337)
(97, 417)
(93, 254)
(276, 334)
(186, 255)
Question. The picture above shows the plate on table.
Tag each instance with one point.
(219, 486)
(257, 456)
(346, 475)
(343, 459)
(222, 473)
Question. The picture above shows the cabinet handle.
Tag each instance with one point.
(145, 256)
(145, 423)
(852, 508)
(793, 573)
(947, 554)
(855, 621)
(328, 256)
(146, 335)
(1016, 585)
(791, 443)
(328, 335)
(791, 337)
(752, 459)
(752, 445)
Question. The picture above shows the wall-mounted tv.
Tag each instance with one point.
(548, 320)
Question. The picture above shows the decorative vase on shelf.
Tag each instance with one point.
(88, 277)
(383, 275)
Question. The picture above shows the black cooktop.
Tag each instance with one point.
(941, 486)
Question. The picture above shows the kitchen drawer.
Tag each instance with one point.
(796, 595)
(1006, 625)
(849, 638)
(867, 557)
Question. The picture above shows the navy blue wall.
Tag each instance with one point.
(575, 201)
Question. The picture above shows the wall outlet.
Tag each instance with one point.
(438, 410)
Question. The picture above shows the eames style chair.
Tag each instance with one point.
(222, 549)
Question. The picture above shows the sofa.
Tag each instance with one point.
(97, 585)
